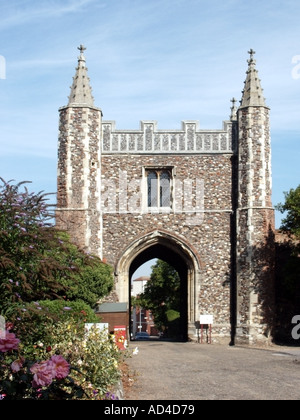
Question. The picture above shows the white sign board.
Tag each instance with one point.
(2, 328)
(99, 326)
(206, 319)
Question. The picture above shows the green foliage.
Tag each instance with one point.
(288, 266)
(36, 261)
(47, 288)
(172, 315)
(89, 278)
(26, 272)
(174, 325)
(64, 311)
(93, 360)
(94, 357)
(162, 295)
(34, 322)
(92, 282)
(101, 359)
(291, 223)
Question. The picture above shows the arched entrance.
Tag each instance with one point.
(176, 252)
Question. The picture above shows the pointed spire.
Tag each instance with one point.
(253, 92)
(81, 92)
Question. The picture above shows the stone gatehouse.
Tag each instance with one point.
(198, 199)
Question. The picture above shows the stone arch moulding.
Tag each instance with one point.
(179, 248)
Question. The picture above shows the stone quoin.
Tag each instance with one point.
(198, 199)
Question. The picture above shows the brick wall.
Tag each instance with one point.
(114, 319)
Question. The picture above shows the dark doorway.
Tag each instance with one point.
(174, 259)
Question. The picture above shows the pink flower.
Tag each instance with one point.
(61, 366)
(17, 365)
(44, 373)
(10, 342)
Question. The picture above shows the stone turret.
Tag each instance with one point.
(79, 165)
(255, 215)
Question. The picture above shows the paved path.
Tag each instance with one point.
(189, 371)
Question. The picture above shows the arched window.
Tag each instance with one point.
(159, 189)
(152, 189)
(165, 189)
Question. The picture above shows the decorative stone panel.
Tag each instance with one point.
(189, 140)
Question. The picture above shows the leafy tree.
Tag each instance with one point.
(89, 279)
(291, 225)
(162, 295)
(36, 261)
(288, 264)
(291, 222)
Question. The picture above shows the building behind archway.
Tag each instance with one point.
(200, 198)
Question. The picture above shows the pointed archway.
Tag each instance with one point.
(176, 252)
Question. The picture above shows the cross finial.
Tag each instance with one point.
(251, 52)
(81, 48)
(234, 101)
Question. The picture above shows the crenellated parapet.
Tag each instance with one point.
(149, 139)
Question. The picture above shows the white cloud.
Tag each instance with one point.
(20, 12)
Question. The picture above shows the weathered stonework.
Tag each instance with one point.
(217, 230)
(255, 226)
(79, 175)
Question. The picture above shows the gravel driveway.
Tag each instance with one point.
(189, 371)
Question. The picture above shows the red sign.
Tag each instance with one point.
(120, 336)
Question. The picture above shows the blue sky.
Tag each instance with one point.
(164, 60)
